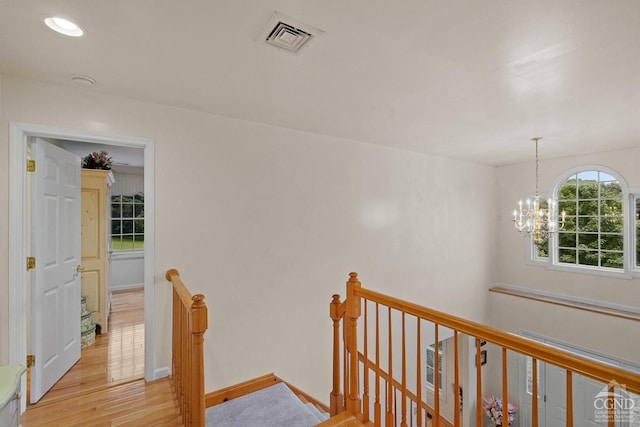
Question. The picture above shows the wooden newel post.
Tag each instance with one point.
(352, 314)
(199, 326)
(335, 399)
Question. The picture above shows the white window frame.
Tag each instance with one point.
(630, 269)
(442, 367)
(133, 233)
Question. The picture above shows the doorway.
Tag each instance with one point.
(19, 137)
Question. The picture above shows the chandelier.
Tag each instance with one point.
(534, 220)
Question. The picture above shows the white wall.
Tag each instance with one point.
(267, 222)
(601, 333)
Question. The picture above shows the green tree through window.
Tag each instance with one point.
(593, 234)
(127, 222)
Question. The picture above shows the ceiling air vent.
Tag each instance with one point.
(287, 34)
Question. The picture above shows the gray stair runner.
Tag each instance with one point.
(274, 406)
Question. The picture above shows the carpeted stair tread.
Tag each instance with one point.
(274, 406)
(321, 416)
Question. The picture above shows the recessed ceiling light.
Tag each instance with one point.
(84, 81)
(64, 26)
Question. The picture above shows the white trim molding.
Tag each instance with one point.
(19, 136)
(596, 306)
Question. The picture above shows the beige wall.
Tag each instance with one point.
(597, 332)
(267, 222)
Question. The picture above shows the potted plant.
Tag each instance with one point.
(97, 160)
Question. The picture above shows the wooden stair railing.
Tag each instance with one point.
(189, 325)
(392, 391)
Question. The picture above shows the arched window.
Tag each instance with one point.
(601, 234)
(593, 235)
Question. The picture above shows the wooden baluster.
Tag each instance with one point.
(436, 379)
(335, 399)
(418, 376)
(376, 405)
(534, 393)
(569, 398)
(389, 415)
(505, 391)
(479, 400)
(365, 370)
(345, 363)
(186, 363)
(456, 381)
(353, 312)
(611, 412)
(403, 404)
(199, 324)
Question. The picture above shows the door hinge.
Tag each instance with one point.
(31, 360)
(31, 165)
(31, 263)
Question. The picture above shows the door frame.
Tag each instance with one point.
(19, 134)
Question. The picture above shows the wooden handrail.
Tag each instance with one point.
(356, 363)
(188, 327)
(542, 352)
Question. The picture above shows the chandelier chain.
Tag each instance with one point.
(534, 220)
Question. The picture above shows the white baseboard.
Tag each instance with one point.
(161, 373)
(127, 287)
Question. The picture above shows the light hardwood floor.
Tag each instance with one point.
(105, 388)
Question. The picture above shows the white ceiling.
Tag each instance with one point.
(469, 79)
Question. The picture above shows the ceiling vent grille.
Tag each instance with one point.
(287, 34)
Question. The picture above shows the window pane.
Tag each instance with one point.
(543, 250)
(127, 211)
(611, 207)
(138, 226)
(587, 241)
(568, 190)
(569, 207)
(610, 190)
(587, 190)
(612, 259)
(570, 223)
(116, 226)
(127, 226)
(611, 224)
(588, 207)
(138, 211)
(116, 211)
(567, 255)
(127, 243)
(611, 242)
(588, 223)
(430, 376)
(567, 240)
(588, 257)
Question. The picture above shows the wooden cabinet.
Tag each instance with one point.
(95, 243)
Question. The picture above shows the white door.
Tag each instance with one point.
(55, 284)
(526, 406)
(584, 393)
(555, 397)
